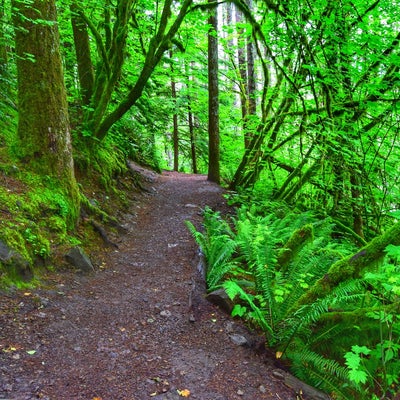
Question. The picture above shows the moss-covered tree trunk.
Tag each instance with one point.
(83, 57)
(43, 126)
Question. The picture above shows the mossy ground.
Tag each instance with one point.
(35, 211)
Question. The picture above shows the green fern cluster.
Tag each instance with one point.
(267, 263)
(217, 245)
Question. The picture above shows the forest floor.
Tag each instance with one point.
(139, 327)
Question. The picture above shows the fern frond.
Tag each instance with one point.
(217, 244)
(232, 289)
(325, 374)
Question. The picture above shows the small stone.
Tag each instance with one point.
(221, 299)
(44, 301)
(262, 389)
(240, 392)
(229, 326)
(239, 340)
(192, 318)
(77, 257)
(165, 313)
(278, 375)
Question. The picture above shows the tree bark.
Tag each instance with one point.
(83, 57)
(192, 138)
(43, 126)
(241, 55)
(213, 100)
(192, 133)
(175, 132)
(251, 87)
(3, 47)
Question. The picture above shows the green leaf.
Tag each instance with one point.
(353, 360)
(239, 311)
(361, 349)
(358, 376)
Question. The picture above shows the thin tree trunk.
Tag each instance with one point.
(3, 47)
(192, 138)
(250, 88)
(241, 55)
(83, 58)
(175, 132)
(192, 133)
(213, 99)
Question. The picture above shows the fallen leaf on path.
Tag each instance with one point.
(184, 392)
(10, 349)
(31, 352)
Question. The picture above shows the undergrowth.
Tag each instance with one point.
(346, 342)
(35, 211)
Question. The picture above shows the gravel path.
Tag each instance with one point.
(127, 331)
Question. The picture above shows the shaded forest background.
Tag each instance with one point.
(293, 105)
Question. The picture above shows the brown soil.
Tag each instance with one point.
(139, 327)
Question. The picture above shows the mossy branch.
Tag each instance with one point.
(350, 231)
(295, 243)
(353, 266)
(355, 317)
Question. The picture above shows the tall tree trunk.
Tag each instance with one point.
(110, 68)
(213, 99)
(192, 138)
(251, 87)
(241, 54)
(5, 87)
(3, 46)
(192, 132)
(83, 58)
(43, 126)
(175, 132)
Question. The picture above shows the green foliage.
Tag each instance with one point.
(320, 371)
(245, 257)
(217, 246)
(354, 361)
(35, 214)
(377, 364)
(40, 246)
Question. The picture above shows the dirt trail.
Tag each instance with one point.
(124, 333)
